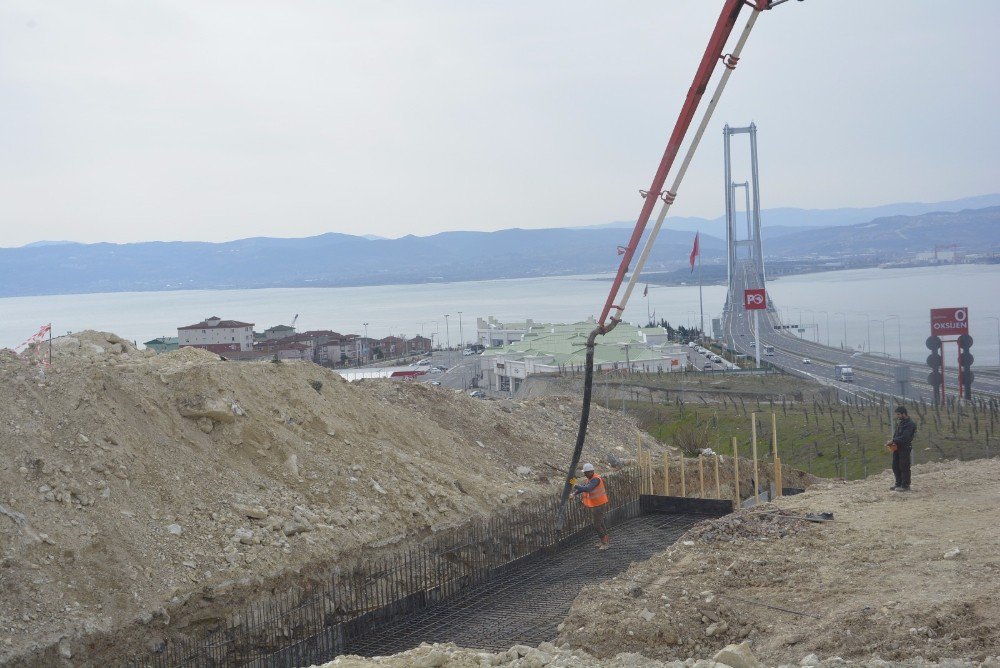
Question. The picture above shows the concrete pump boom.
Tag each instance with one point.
(713, 53)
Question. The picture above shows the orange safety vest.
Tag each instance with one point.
(598, 496)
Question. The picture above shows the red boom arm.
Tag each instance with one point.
(713, 52)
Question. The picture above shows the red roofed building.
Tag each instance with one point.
(217, 335)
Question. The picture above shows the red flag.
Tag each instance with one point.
(695, 252)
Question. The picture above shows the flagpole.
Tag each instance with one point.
(701, 302)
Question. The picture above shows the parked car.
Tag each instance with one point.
(806, 360)
(435, 382)
(477, 394)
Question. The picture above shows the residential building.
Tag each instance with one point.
(217, 335)
(278, 332)
(418, 345)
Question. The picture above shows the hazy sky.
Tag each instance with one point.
(211, 120)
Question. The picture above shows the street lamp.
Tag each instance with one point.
(998, 336)
(799, 325)
(882, 322)
(844, 342)
(365, 346)
(447, 331)
(868, 341)
(899, 340)
(461, 336)
(827, 314)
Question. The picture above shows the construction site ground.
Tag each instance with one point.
(897, 578)
(144, 497)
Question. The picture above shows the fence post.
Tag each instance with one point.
(736, 475)
(638, 456)
(666, 473)
(718, 489)
(774, 453)
(753, 444)
(683, 483)
(649, 464)
(701, 473)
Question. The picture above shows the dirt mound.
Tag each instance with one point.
(563, 656)
(147, 489)
(897, 576)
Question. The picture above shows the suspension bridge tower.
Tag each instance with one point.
(745, 264)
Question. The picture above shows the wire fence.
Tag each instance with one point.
(313, 623)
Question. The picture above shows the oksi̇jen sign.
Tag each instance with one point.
(945, 321)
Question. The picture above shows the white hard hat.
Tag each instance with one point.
(588, 467)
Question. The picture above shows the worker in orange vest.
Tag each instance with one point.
(594, 496)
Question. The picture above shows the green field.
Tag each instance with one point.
(815, 434)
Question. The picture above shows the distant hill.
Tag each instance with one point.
(342, 259)
(892, 237)
(326, 260)
(785, 220)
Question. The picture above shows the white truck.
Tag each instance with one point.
(844, 373)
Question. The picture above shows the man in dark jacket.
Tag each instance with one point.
(901, 445)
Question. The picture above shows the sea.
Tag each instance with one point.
(885, 311)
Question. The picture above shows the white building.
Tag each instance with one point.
(491, 333)
(217, 335)
(557, 348)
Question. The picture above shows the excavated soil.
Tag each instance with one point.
(146, 495)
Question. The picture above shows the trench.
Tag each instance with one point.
(526, 604)
(502, 580)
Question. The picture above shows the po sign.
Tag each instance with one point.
(945, 321)
(754, 300)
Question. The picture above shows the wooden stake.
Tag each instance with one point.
(683, 484)
(737, 499)
(649, 471)
(701, 474)
(666, 473)
(774, 454)
(638, 457)
(718, 489)
(753, 443)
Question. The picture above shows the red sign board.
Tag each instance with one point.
(754, 300)
(945, 321)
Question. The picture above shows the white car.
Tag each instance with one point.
(435, 382)
(806, 360)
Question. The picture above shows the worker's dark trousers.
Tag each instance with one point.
(597, 512)
(901, 467)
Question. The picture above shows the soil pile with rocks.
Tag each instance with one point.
(563, 656)
(153, 493)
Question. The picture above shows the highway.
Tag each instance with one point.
(872, 373)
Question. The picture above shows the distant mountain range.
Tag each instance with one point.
(345, 260)
(788, 220)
